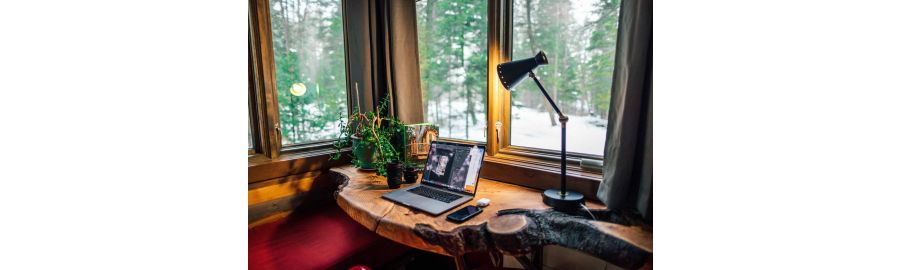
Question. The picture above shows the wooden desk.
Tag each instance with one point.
(524, 225)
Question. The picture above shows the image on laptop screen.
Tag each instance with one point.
(453, 166)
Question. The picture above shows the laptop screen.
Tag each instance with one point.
(453, 166)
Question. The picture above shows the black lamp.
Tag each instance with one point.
(511, 74)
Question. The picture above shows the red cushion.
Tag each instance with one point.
(321, 239)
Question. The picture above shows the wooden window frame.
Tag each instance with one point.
(533, 167)
(265, 118)
(533, 162)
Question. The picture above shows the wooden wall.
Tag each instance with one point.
(276, 188)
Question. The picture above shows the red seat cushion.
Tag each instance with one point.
(319, 239)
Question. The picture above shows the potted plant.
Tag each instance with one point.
(371, 136)
(410, 172)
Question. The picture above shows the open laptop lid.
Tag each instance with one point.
(453, 166)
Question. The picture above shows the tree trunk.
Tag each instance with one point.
(560, 60)
(462, 64)
(449, 116)
(519, 232)
(528, 23)
(426, 54)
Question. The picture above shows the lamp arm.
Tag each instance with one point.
(552, 103)
(562, 121)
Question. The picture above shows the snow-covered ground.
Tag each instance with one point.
(531, 128)
(457, 130)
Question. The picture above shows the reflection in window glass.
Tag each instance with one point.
(453, 65)
(579, 38)
(308, 41)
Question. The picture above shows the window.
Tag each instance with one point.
(579, 38)
(453, 65)
(310, 80)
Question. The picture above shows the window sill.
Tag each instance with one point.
(260, 167)
(539, 173)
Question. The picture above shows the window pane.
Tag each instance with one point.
(579, 38)
(453, 65)
(308, 41)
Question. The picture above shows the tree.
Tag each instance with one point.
(581, 52)
(453, 62)
(603, 48)
(307, 39)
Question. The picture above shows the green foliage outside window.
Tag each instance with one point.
(453, 64)
(308, 41)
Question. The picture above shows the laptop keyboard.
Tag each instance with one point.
(434, 194)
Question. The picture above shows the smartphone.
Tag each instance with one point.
(464, 214)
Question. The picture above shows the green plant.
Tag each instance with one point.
(371, 129)
(410, 164)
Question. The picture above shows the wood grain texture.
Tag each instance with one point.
(526, 225)
(263, 169)
(281, 187)
(282, 195)
(263, 94)
(360, 197)
(538, 174)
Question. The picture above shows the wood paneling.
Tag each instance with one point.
(273, 198)
(282, 187)
(284, 204)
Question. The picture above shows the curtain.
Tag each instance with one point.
(628, 157)
(383, 56)
(401, 59)
(359, 58)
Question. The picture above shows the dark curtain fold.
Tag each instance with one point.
(400, 60)
(383, 50)
(359, 57)
(628, 158)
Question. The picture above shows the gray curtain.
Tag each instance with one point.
(401, 59)
(628, 158)
(383, 55)
(358, 53)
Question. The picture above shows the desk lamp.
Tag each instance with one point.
(511, 74)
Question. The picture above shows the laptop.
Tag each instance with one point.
(450, 178)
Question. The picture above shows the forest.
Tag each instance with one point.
(308, 43)
(579, 38)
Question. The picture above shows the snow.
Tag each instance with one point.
(530, 128)
(457, 126)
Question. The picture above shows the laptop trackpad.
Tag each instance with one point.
(412, 200)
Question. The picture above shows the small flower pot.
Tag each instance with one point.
(410, 175)
(394, 174)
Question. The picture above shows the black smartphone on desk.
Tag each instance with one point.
(464, 214)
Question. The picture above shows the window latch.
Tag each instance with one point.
(497, 126)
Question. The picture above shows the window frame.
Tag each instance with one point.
(499, 147)
(487, 137)
(265, 117)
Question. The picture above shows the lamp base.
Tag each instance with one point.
(571, 201)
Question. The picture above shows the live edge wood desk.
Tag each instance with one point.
(516, 223)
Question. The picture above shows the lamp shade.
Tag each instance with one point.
(513, 72)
